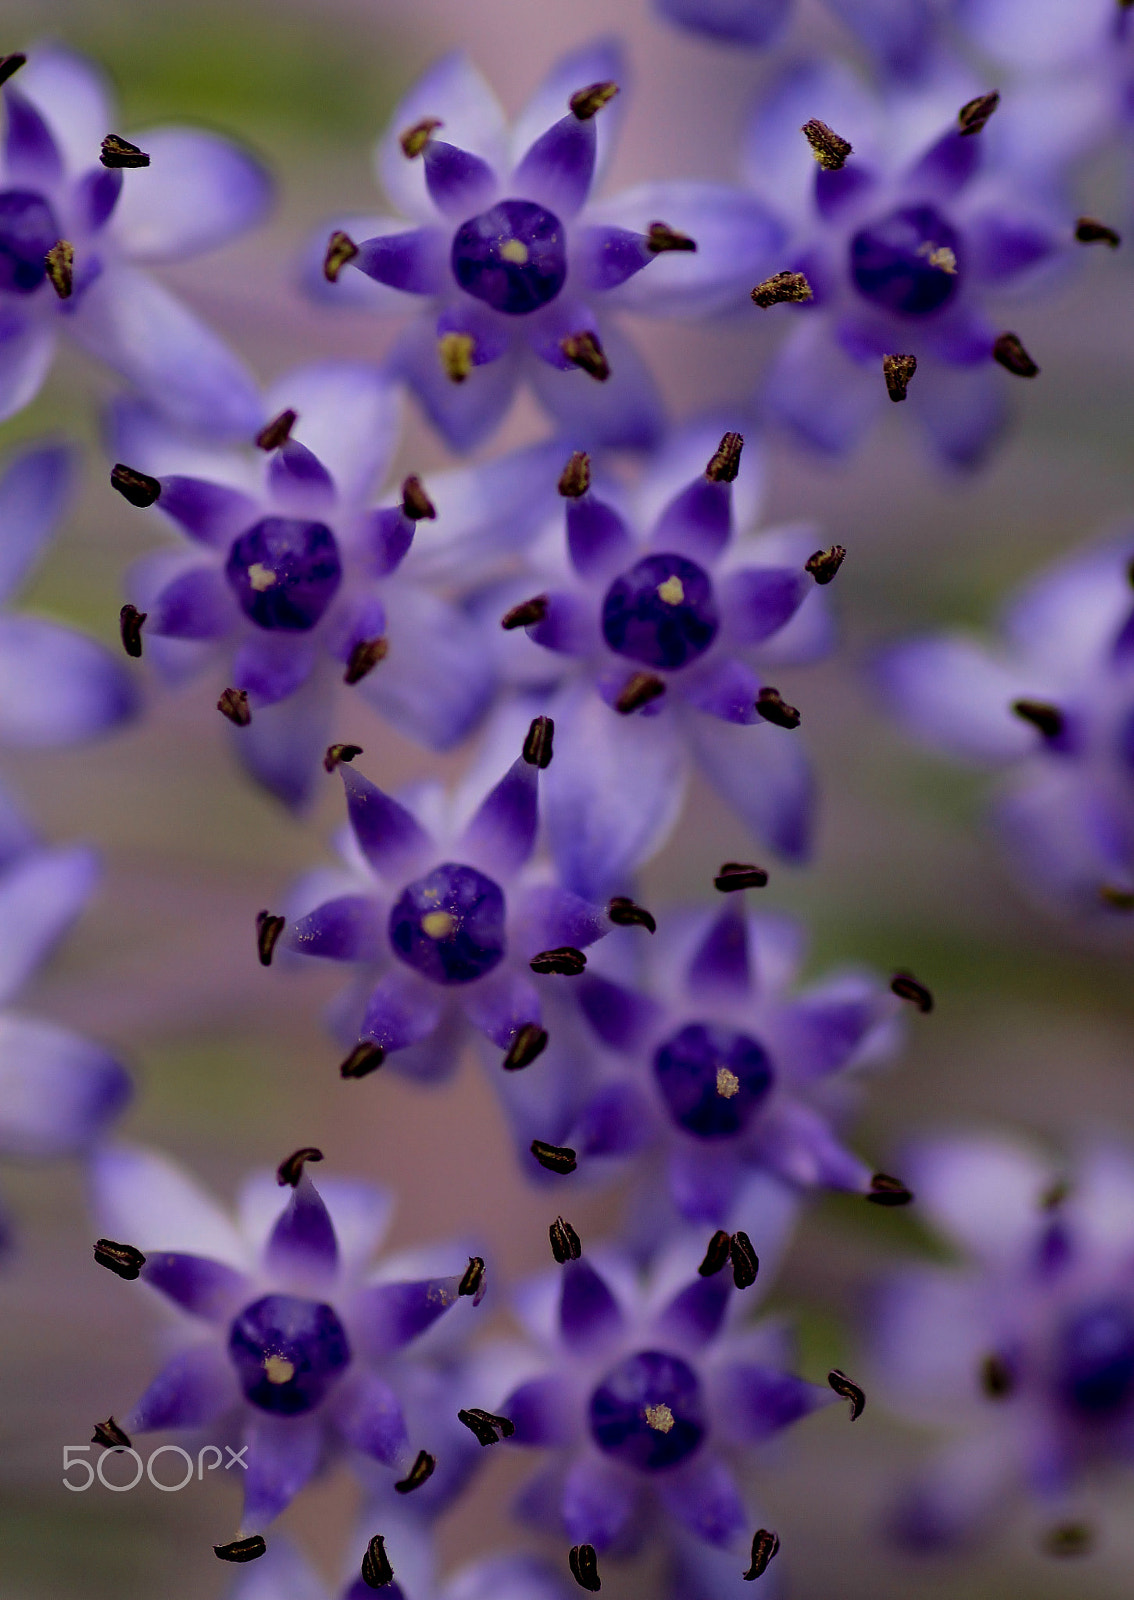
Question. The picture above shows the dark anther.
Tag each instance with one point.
(1047, 718)
(887, 1191)
(975, 113)
(341, 248)
(825, 563)
(565, 1243)
(421, 1472)
(716, 1256)
(996, 1377)
(268, 930)
(456, 351)
(1117, 899)
(638, 690)
(897, 371)
(240, 1550)
(1012, 356)
(587, 103)
(736, 875)
(414, 140)
(10, 64)
(771, 705)
(376, 1569)
(1068, 1539)
(1054, 1195)
(130, 621)
(485, 1426)
(233, 704)
(781, 289)
(416, 504)
(123, 1259)
(847, 1389)
(661, 237)
(554, 1157)
(765, 1544)
(745, 1261)
(1088, 231)
(575, 479)
(60, 264)
(365, 1058)
(584, 351)
(472, 1282)
(564, 960)
(624, 913)
(364, 658)
(528, 1043)
(539, 742)
(725, 461)
(907, 987)
(337, 753)
(118, 152)
(289, 1171)
(277, 432)
(584, 1567)
(526, 614)
(828, 148)
(137, 487)
(110, 1435)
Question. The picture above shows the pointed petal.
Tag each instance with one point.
(589, 1317)
(400, 1011)
(282, 745)
(58, 687)
(984, 1192)
(951, 693)
(198, 192)
(544, 1412)
(816, 390)
(58, 1092)
(40, 897)
(437, 680)
(552, 917)
(764, 777)
(898, 33)
(724, 688)
(196, 1387)
(598, 1502)
(757, 602)
(273, 667)
(370, 1419)
(501, 1005)
(74, 96)
(31, 156)
(697, 522)
(624, 413)
(752, 1402)
(212, 513)
(459, 183)
(719, 963)
(196, 604)
(703, 1496)
(963, 411)
(465, 414)
(622, 1018)
(599, 61)
(27, 346)
(145, 1199)
(302, 1243)
(413, 263)
(283, 1456)
(389, 836)
(502, 832)
(696, 1313)
(348, 417)
(454, 90)
(349, 928)
(200, 1286)
(598, 540)
(34, 492)
(556, 171)
(391, 1315)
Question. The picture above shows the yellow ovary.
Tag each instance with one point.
(260, 576)
(659, 1418)
(672, 591)
(278, 1369)
(728, 1083)
(516, 251)
(438, 924)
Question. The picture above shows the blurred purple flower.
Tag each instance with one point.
(897, 33)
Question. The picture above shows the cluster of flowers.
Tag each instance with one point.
(603, 632)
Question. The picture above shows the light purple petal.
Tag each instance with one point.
(58, 687)
(703, 1496)
(776, 161)
(799, 1145)
(74, 96)
(389, 1316)
(821, 1032)
(207, 1289)
(413, 263)
(284, 1454)
(544, 1412)
(951, 693)
(347, 929)
(27, 346)
(195, 1387)
(348, 414)
(400, 1011)
(454, 90)
(598, 1501)
(948, 164)
(389, 836)
(282, 746)
(40, 897)
(724, 688)
(302, 1243)
(95, 197)
(467, 413)
(963, 411)
(273, 666)
(816, 390)
(298, 479)
(501, 1005)
(370, 1418)
(589, 1317)
(624, 413)
(598, 540)
(568, 626)
(34, 492)
(899, 33)
(697, 522)
(143, 1198)
(199, 191)
(58, 1092)
(387, 535)
(984, 1192)
(757, 602)
(752, 1402)
(197, 604)
(765, 776)
(31, 155)
(213, 513)
(502, 831)
(604, 257)
(748, 22)
(552, 916)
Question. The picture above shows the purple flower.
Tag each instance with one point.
(1023, 1355)
(509, 268)
(1052, 701)
(197, 192)
(898, 33)
(285, 1335)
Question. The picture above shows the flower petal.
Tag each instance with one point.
(544, 1412)
(199, 191)
(400, 1011)
(751, 1402)
(302, 1244)
(696, 1313)
(196, 1386)
(204, 1288)
(348, 414)
(144, 1199)
(273, 667)
(467, 413)
(725, 688)
(703, 1496)
(816, 390)
(413, 263)
(31, 156)
(41, 894)
(899, 33)
(502, 831)
(557, 169)
(598, 541)
(748, 22)
(27, 347)
(501, 1005)
(459, 183)
(599, 61)
(624, 413)
(719, 964)
(389, 836)
(983, 1191)
(349, 928)
(57, 686)
(622, 1018)
(757, 602)
(390, 1315)
(74, 96)
(952, 694)
(34, 492)
(589, 1317)
(765, 776)
(196, 604)
(58, 1092)
(963, 411)
(284, 1454)
(212, 513)
(598, 1501)
(369, 1417)
(697, 522)
(471, 116)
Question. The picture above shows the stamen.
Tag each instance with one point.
(897, 371)
(377, 1571)
(584, 1567)
(783, 288)
(1052, 1198)
(671, 592)
(233, 704)
(278, 1369)
(11, 64)
(337, 753)
(887, 1191)
(485, 1426)
(1088, 231)
(907, 987)
(828, 148)
(745, 1261)
(659, 1418)
(110, 1435)
(996, 1377)
(439, 924)
(583, 350)
(119, 152)
(365, 1058)
(414, 140)
(716, 1256)
(137, 487)
(565, 1242)
(736, 875)
(268, 930)
(1047, 718)
(277, 432)
(847, 1389)
(472, 1282)
(60, 264)
(241, 1550)
(765, 1545)
(728, 1084)
(771, 705)
(1069, 1539)
(421, 1472)
(130, 621)
(516, 251)
(122, 1259)
(939, 256)
(341, 248)
(975, 113)
(1117, 899)
(538, 743)
(724, 464)
(1012, 356)
(587, 103)
(554, 1157)
(638, 690)
(290, 1170)
(624, 913)
(416, 504)
(456, 351)
(528, 1043)
(364, 658)
(526, 614)
(825, 563)
(660, 238)
(564, 960)
(575, 479)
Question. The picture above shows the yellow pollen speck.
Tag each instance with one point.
(660, 1418)
(278, 1369)
(438, 924)
(516, 251)
(672, 591)
(728, 1083)
(939, 256)
(260, 576)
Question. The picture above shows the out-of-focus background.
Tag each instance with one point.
(1032, 1028)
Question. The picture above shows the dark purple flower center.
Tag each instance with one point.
(1096, 1360)
(285, 572)
(712, 1079)
(513, 257)
(449, 925)
(28, 230)
(662, 612)
(648, 1411)
(909, 262)
(287, 1353)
